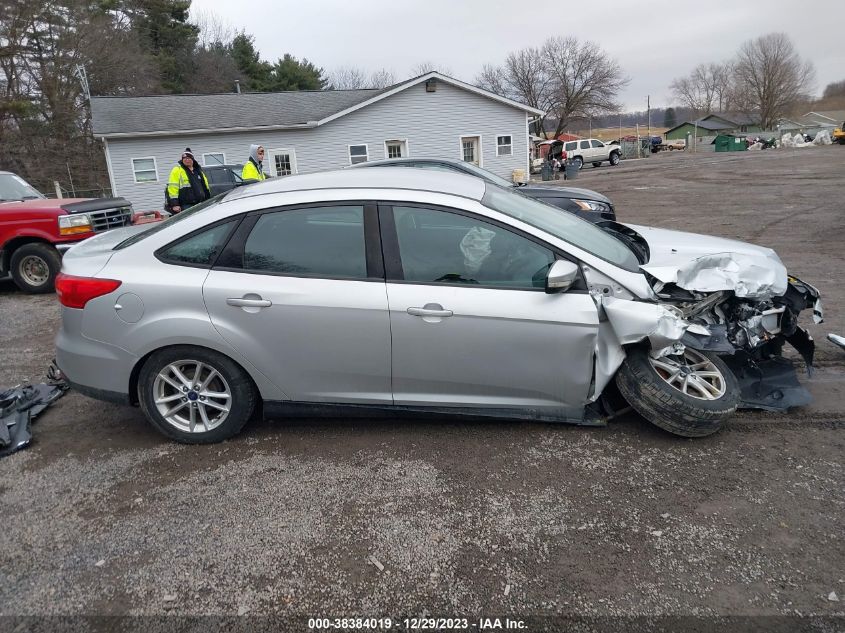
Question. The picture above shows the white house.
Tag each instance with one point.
(428, 116)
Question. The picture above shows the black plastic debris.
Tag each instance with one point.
(18, 407)
(771, 385)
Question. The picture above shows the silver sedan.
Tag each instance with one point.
(408, 291)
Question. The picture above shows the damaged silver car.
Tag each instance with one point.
(406, 291)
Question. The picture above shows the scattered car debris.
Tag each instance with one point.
(375, 561)
(18, 406)
(837, 340)
(833, 597)
(507, 589)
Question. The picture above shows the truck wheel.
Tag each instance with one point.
(614, 158)
(34, 267)
(691, 394)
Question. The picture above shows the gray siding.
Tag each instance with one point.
(432, 124)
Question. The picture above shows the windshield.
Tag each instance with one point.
(563, 225)
(158, 226)
(13, 187)
(489, 176)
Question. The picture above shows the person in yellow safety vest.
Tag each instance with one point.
(187, 184)
(253, 168)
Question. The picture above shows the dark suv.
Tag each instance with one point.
(586, 203)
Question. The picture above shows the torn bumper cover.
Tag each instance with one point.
(747, 324)
(18, 406)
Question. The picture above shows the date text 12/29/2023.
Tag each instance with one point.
(414, 624)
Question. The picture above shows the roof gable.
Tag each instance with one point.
(192, 114)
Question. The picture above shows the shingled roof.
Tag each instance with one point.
(190, 114)
(187, 113)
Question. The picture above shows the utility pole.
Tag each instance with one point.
(648, 108)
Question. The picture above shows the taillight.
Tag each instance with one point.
(75, 292)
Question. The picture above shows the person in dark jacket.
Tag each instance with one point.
(187, 184)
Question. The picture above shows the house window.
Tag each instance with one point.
(282, 164)
(396, 148)
(215, 158)
(504, 146)
(144, 169)
(358, 154)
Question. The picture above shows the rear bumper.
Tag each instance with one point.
(95, 369)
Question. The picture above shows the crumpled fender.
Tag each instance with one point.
(635, 321)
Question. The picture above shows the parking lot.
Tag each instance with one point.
(330, 517)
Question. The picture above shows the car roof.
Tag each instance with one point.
(452, 183)
(399, 161)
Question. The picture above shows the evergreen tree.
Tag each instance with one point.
(291, 74)
(164, 30)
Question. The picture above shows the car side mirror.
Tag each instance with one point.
(561, 276)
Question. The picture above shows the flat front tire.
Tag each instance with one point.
(195, 395)
(34, 268)
(691, 395)
(614, 158)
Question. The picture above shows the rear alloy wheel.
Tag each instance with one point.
(34, 268)
(614, 158)
(578, 162)
(195, 395)
(690, 394)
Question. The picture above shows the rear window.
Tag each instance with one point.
(179, 217)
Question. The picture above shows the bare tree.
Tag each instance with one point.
(706, 89)
(382, 78)
(583, 80)
(347, 78)
(769, 77)
(427, 66)
(565, 78)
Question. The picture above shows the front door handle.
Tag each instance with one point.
(249, 303)
(430, 310)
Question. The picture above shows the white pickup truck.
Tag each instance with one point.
(592, 150)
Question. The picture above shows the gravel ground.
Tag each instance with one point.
(102, 516)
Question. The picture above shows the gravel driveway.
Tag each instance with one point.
(101, 516)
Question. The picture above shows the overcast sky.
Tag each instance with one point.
(654, 41)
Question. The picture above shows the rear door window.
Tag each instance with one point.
(313, 242)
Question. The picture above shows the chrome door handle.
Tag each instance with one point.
(249, 303)
(429, 312)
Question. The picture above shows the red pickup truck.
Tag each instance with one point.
(34, 230)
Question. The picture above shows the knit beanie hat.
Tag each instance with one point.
(188, 154)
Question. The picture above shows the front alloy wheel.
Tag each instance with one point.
(691, 373)
(690, 394)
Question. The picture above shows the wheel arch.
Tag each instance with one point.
(139, 364)
(9, 248)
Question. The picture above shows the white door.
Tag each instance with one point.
(282, 162)
(471, 150)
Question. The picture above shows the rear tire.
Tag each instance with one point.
(34, 268)
(654, 396)
(195, 395)
(578, 162)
